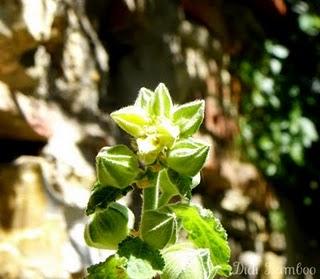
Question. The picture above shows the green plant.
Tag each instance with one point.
(164, 162)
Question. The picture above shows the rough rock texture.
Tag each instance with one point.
(60, 71)
(52, 71)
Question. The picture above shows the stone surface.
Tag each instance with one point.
(32, 232)
(21, 118)
(235, 201)
(21, 189)
(57, 82)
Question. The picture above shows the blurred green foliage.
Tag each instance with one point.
(279, 114)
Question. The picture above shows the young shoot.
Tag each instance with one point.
(165, 162)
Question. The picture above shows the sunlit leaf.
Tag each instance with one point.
(144, 262)
(113, 267)
(162, 105)
(206, 231)
(188, 117)
(131, 119)
(186, 262)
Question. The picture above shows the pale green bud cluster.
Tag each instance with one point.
(162, 133)
(157, 124)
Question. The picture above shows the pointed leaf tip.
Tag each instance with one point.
(131, 119)
(145, 100)
(162, 105)
(189, 117)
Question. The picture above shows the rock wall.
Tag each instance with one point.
(63, 65)
(52, 71)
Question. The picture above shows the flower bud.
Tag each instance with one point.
(148, 149)
(187, 156)
(185, 262)
(109, 227)
(117, 166)
(167, 133)
(162, 105)
(158, 228)
(131, 119)
(188, 117)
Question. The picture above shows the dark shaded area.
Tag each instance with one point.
(11, 149)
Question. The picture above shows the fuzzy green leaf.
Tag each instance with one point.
(158, 228)
(117, 166)
(186, 262)
(144, 262)
(206, 231)
(162, 105)
(145, 100)
(102, 196)
(187, 156)
(131, 119)
(183, 183)
(189, 117)
(113, 267)
(172, 184)
(166, 185)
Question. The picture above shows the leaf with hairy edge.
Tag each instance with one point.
(102, 196)
(113, 267)
(145, 100)
(131, 119)
(144, 262)
(172, 184)
(205, 231)
(189, 117)
(184, 184)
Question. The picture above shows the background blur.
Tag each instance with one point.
(64, 65)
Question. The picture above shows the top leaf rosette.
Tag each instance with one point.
(156, 123)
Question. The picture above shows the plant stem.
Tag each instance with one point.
(150, 198)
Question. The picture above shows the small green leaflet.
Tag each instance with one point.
(162, 105)
(172, 184)
(102, 196)
(206, 231)
(145, 100)
(144, 262)
(113, 267)
(131, 119)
